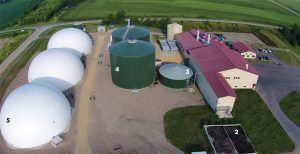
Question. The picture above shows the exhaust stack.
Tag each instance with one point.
(128, 25)
(208, 38)
(198, 35)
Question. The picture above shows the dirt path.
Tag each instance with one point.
(82, 145)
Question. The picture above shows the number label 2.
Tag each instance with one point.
(236, 132)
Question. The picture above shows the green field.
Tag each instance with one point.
(293, 4)
(12, 10)
(290, 105)
(184, 126)
(244, 10)
(15, 39)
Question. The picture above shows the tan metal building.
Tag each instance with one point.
(245, 50)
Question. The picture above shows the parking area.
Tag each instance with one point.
(275, 82)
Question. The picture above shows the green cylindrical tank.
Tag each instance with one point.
(132, 64)
(134, 32)
(175, 75)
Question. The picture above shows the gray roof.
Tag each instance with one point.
(176, 71)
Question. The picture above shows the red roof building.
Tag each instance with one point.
(219, 84)
(220, 68)
(242, 47)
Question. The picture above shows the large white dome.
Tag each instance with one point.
(73, 38)
(33, 114)
(61, 69)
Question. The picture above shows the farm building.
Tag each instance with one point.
(130, 32)
(33, 114)
(245, 49)
(218, 70)
(172, 30)
(132, 64)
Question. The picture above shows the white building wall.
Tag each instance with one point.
(249, 55)
(240, 79)
(227, 101)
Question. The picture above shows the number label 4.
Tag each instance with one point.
(117, 69)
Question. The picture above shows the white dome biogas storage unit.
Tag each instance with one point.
(33, 114)
(73, 38)
(55, 67)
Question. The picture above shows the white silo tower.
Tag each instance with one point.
(173, 29)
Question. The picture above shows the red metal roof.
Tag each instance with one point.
(188, 41)
(218, 57)
(242, 47)
(219, 84)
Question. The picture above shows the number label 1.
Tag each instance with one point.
(236, 132)
(117, 69)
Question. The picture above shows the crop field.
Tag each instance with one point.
(293, 4)
(244, 10)
(12, 10)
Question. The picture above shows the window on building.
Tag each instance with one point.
(244, 86)
(236, 78)
(227, 77)
(235, 86)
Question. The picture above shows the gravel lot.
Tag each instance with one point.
(243, 37)
(119, 121)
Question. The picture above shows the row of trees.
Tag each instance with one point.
(3, 1)
(292, 34)
(120, 16)
(43, 10)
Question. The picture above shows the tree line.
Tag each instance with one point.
(292, 34)
(119, 19)
(43, 10)
(3, 1)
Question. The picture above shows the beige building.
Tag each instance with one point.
(245, 50)
(173, 29)
(240, 79)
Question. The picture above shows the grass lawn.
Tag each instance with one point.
(290, 105)
(244, 10)
(15, 39)
(184, 126)
(293, 4)
(9, 74)
(12, 10)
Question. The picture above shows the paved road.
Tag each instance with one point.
(227, 21)
(38, 30)
(285, 7)
(275, 82)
